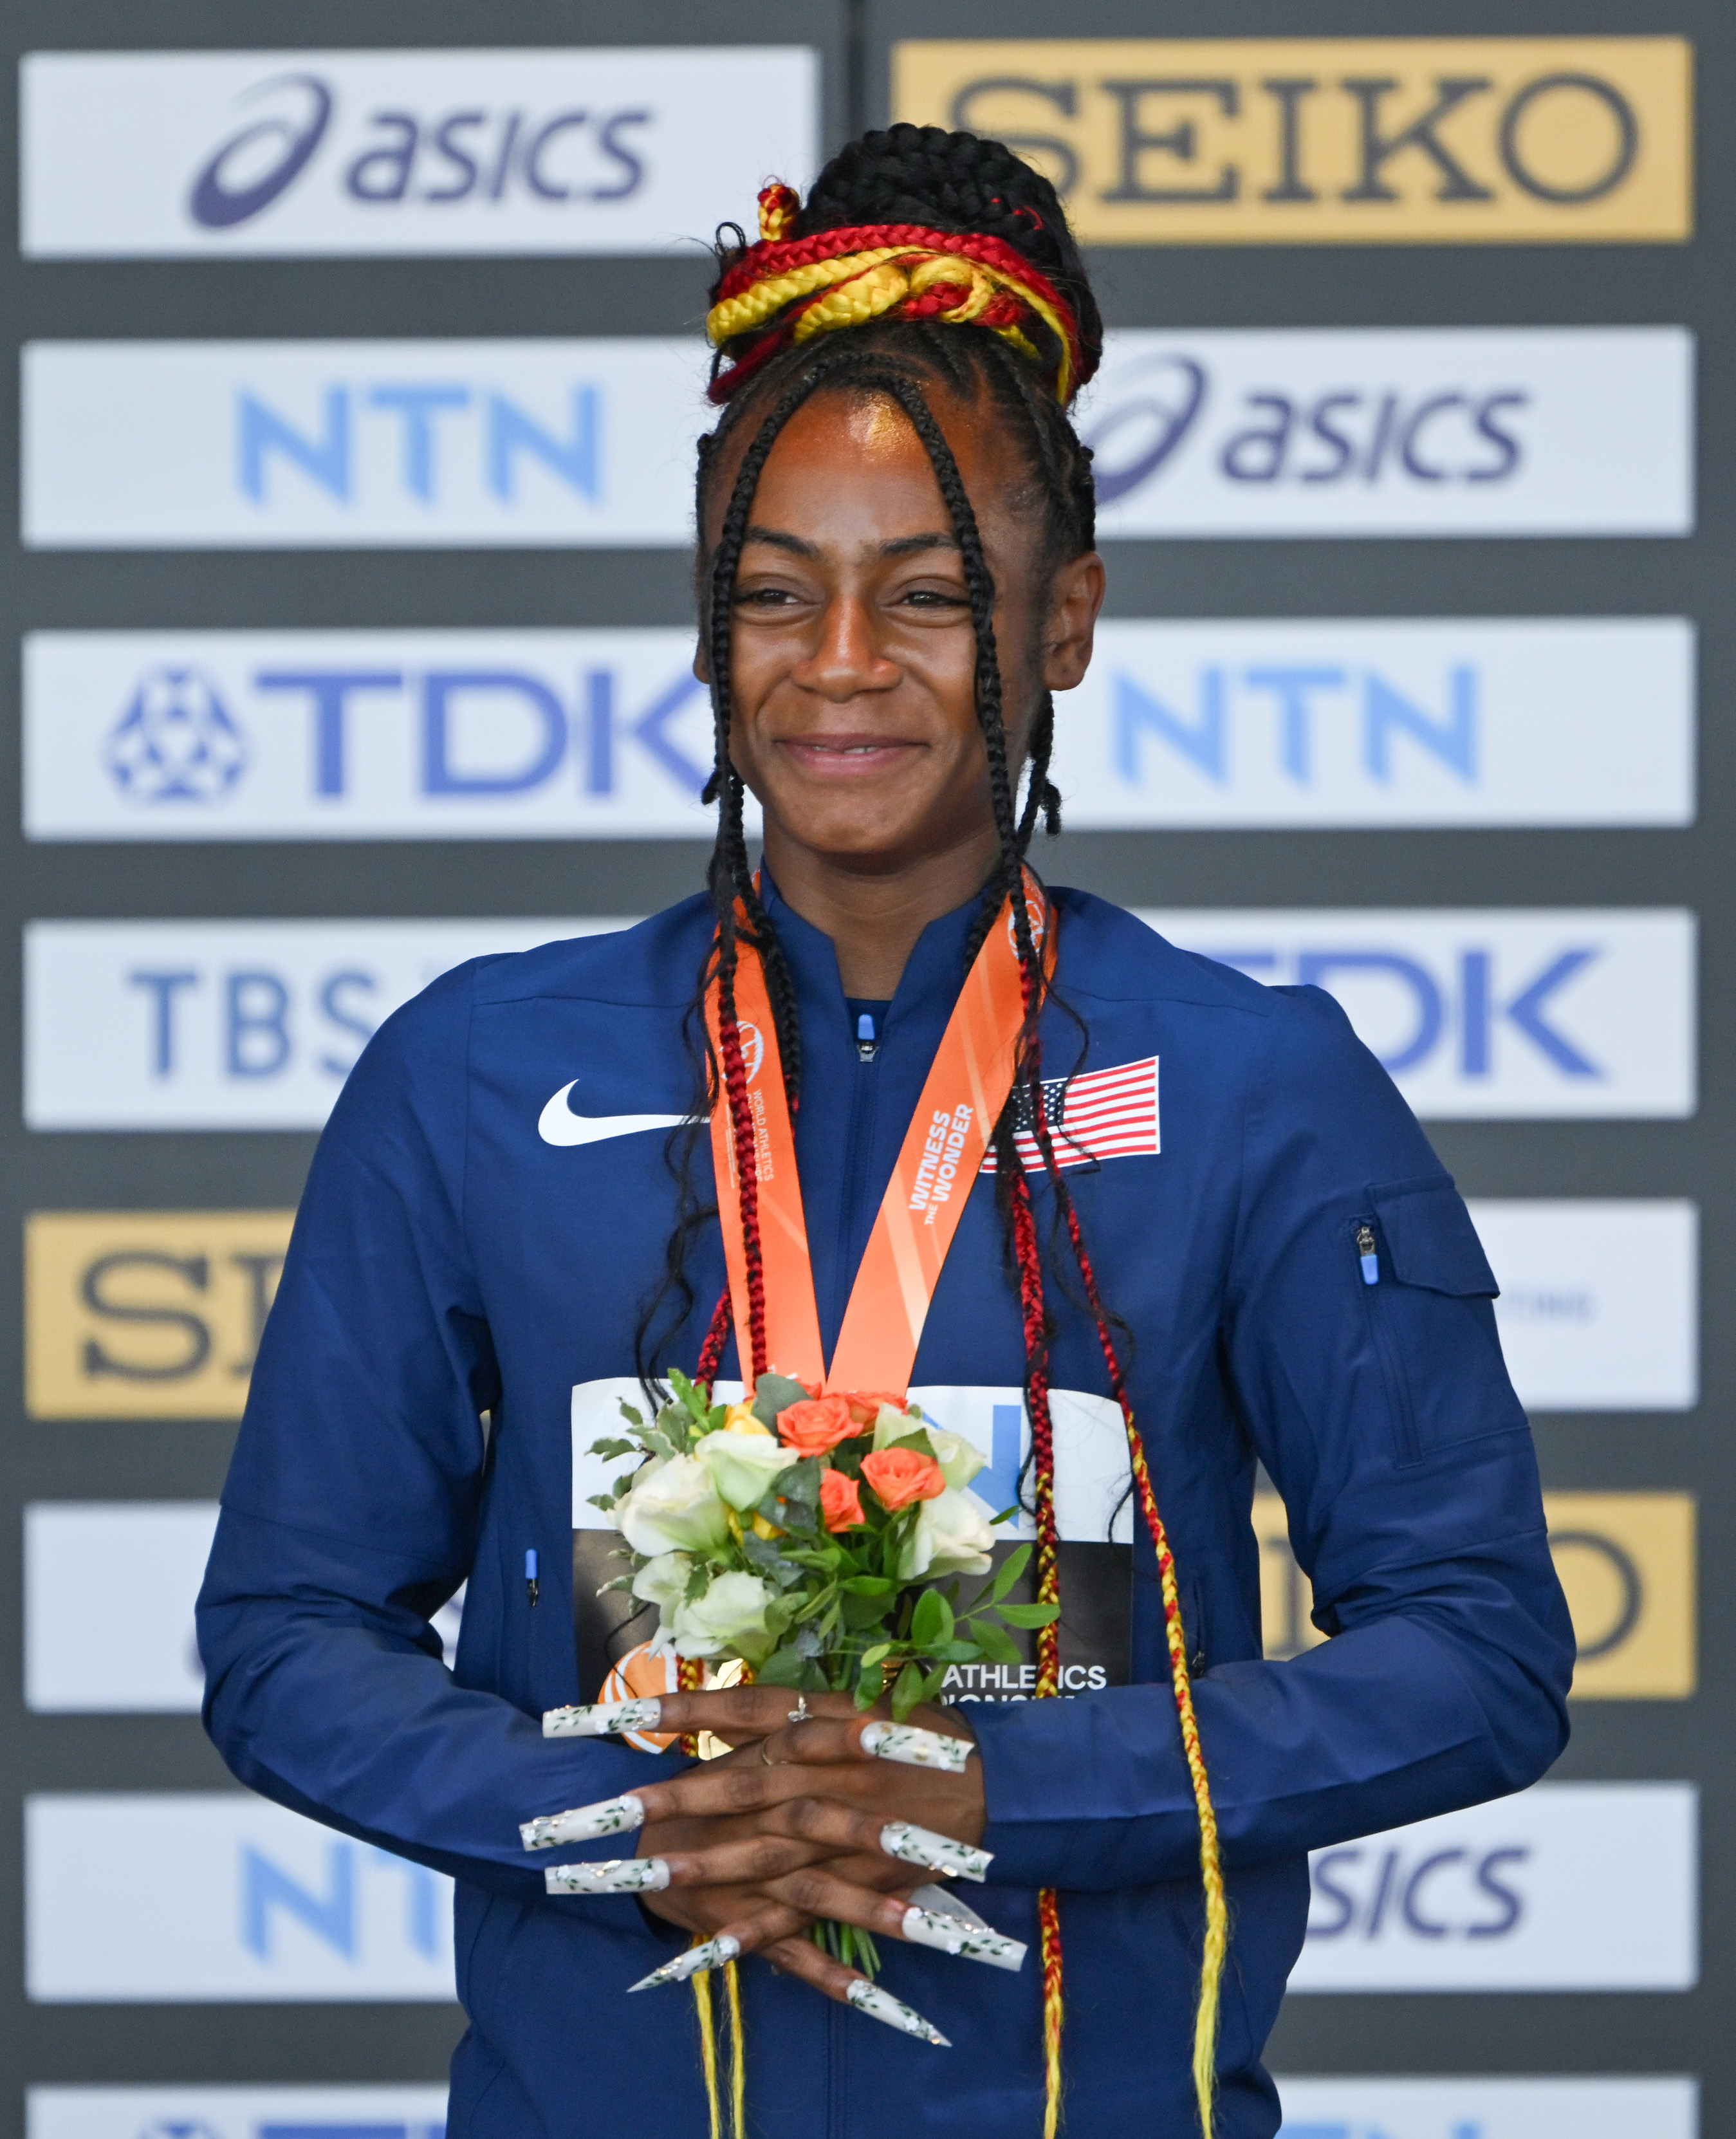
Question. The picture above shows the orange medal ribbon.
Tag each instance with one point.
(941, 1154)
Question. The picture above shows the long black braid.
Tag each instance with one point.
(896, 360)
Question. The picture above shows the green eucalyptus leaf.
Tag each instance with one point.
(926, 1628)
(1005, 1575)
(772, 1393)
(869, 1585)
(610, 1448)
(632, 1413)
(996, 1642)
(786, 1667)
(605, 1501)
(1030, 1615)
(907, 1692)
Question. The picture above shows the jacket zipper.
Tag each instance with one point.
(1376, 1294)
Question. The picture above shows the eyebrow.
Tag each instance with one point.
(906, 546)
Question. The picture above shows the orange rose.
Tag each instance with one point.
(812, 1428)
(865, 1404)
(840, 1502)
(900, 1475)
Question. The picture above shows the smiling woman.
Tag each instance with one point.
(941, 1240)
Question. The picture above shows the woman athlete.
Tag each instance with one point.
(1140, 1307)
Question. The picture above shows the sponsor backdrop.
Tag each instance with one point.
(357, 385)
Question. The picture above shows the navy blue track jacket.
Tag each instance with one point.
(448, 1261)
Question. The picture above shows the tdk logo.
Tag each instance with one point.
(460, 731)
(431, 160)
(1489, 1013)
(1365, 432)
(176, 741)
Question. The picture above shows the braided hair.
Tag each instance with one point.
(923, 178)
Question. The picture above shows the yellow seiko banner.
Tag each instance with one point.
(1332, 140)
(146, 1314)
(1626, 1561)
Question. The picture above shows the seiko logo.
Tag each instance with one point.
(1363, 139)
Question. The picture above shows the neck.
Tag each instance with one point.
(874, 909)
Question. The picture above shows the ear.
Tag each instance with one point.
(702, 661)
(1077, 596)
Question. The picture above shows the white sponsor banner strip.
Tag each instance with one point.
(1566, 1886)
(226, 1024)
(1472, 2107)
(1361, 431)
(1573, 1012)
(602, 149)
(365, 734)
(227, 1899)
(241, 2112)
(156, 735)
(349, 444)
(1465, 721)
(1545, 431)
(1576, 1013)
(109, 1593)
(1600, 1301)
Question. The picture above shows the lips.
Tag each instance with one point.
(844, 756)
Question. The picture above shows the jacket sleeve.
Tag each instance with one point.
(351, 1507)
(1384, 1417)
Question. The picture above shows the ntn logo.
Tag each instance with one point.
(1344, 433)
(1404, 1009)
(418, 417)
(1290, 697)
(471, 152)
(1455, 1892)
(332, 1914)
(479, 732)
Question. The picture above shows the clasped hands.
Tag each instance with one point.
(785, 1829)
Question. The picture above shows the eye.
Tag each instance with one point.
(933, 598)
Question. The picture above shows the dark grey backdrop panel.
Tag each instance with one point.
(1182, 286)
(1199, 286)
(196, 299)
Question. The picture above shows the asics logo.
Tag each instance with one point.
(558, 1124)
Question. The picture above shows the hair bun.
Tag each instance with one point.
(956, 182)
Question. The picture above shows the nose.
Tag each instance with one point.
(846, 660)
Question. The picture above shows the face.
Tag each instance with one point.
(853, 685)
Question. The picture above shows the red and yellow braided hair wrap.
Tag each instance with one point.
(803, 287)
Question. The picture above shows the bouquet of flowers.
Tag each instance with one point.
(818, 1541)
(811, 1538)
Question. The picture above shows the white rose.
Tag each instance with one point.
(951, 1536)
(664, 1581)
(743, 1465)
(960, 1459)
(673, 1506)
(738, 1613)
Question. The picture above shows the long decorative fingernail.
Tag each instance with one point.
(881, 2005)
(916, 1748)
(616, 1875)
(935, 1853)
(620, 1815)
(947, 1934)
(602, 1719)
(714, 1953)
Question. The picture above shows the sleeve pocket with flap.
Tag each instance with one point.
(1427, 1289)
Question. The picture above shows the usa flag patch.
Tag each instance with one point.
(1105, 1114)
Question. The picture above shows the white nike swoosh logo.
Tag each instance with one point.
(558, 1124)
